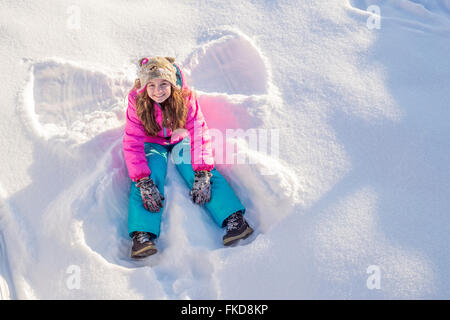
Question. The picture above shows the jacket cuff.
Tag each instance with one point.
(140, 177)
(205, 167)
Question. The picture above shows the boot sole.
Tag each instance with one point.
(243, 235)
(144, 252)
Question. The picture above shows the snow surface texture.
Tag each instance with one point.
(361, 177)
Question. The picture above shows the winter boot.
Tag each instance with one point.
(237, 228)
(143, 245)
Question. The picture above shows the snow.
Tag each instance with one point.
(355, 173)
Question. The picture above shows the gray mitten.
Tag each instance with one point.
(151, 197)
(201, 190)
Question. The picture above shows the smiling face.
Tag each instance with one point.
(159, 90)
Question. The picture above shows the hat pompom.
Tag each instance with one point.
(142, 61)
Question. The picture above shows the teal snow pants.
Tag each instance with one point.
(223, 201)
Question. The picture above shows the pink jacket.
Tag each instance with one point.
(135, 137)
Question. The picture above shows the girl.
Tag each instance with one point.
(163, 115)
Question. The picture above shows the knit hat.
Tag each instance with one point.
(157, 67)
